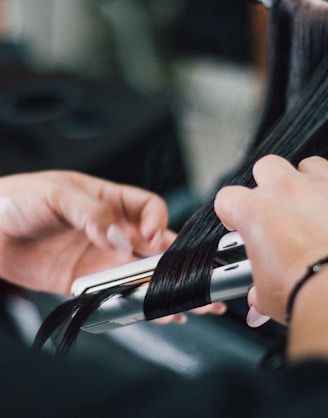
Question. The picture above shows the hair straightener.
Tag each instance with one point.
(229, 281)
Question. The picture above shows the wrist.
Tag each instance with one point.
(309, 274)
(308, 330)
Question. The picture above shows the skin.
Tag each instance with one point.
(53, 227)
(284, 223)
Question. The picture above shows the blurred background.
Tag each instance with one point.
(200, 68)
(163, 94)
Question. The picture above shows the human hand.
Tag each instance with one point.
(58, 225)
(284, 223)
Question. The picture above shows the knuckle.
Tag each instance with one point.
(264, 161)
(290, 187)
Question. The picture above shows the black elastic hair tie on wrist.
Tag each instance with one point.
(311, 271)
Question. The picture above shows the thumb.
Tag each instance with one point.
(254, 319)
(229, 205)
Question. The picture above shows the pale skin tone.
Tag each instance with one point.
(284, 222)
(53, 229)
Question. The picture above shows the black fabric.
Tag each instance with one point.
(33, 385)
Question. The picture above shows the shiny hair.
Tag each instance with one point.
(293, 124)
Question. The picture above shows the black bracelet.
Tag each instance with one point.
(312, 270)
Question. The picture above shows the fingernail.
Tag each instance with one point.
(255, 319)
(117, 238)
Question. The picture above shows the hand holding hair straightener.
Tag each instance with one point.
(229, 280)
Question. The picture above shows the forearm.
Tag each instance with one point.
(308, 334)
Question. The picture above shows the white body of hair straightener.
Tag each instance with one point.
(228, 282)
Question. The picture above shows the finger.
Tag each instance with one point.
(168, 238)
(158, 244)
(254, 318)
(217, 308)
(84, 213)
(147, 208)
(179, 318)
(113, 202)
(148, 212)
(251, 297)
(229, 206)
(116, 236)
(316, 166)
(271, 168)
(137, 205)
